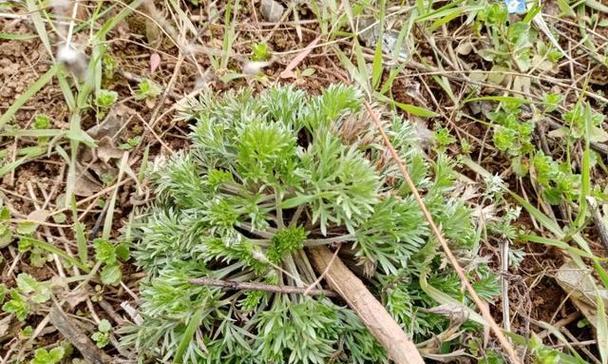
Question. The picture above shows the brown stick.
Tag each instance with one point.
(375, 317)
(79, 339)
(234, 285)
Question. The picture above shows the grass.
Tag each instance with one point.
(465, 72)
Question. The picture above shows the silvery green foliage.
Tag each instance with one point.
(266, 177)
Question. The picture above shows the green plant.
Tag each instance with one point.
(131, 143)
(443, 139)
(38, 257)
(556, 179)
(551, 101)
(2, 292)
(109, 66)
(260, 52)
(53, 356)
(105, 99)
(110, 255)
(28, 293)
(17, 305)
(581, 117)
(266, 178)
(38, 292)
(513, 44)
(102, 335)
(513, 135)
(6, 233)
(147, 89)
(26, 332)
(42, 121)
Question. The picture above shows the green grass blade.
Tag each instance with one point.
(34, 12)
(107, 224)
(54, 250)
(377, 65)
(585, 169)
(408, 108)
(499, 99)
(556, 243)
(114, 21)
(602, 328)
(37, 133)
(545, 220)
(188, 334)
(17, 36)
(81, 240)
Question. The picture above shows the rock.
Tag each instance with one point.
(272, 10)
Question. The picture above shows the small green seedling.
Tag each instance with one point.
(513, 135)
(105, 99)
(131, 143)
(109, 66)
(102, 335)
(551, 101)
(53, 356)
(267, 178)
(443, 139)
(17, 305)
(42, 121)
(38, 257)
(26, 332)
(147, 89)
(260, 52)
(28, 292)
(110, 255)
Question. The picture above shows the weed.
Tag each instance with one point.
(443, 139)
(27, 293)
(260, 52)
(53, 356)
(267, 177)
(102, 336)
(131, 143)
(42, 121)
(110, 255)
(147, 89)
(105, 99)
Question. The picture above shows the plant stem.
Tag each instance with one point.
(254, 286)
(304, 264)
(263, 234)
(277, 199)
(328, 241)
(296, 215)
(293, 269)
